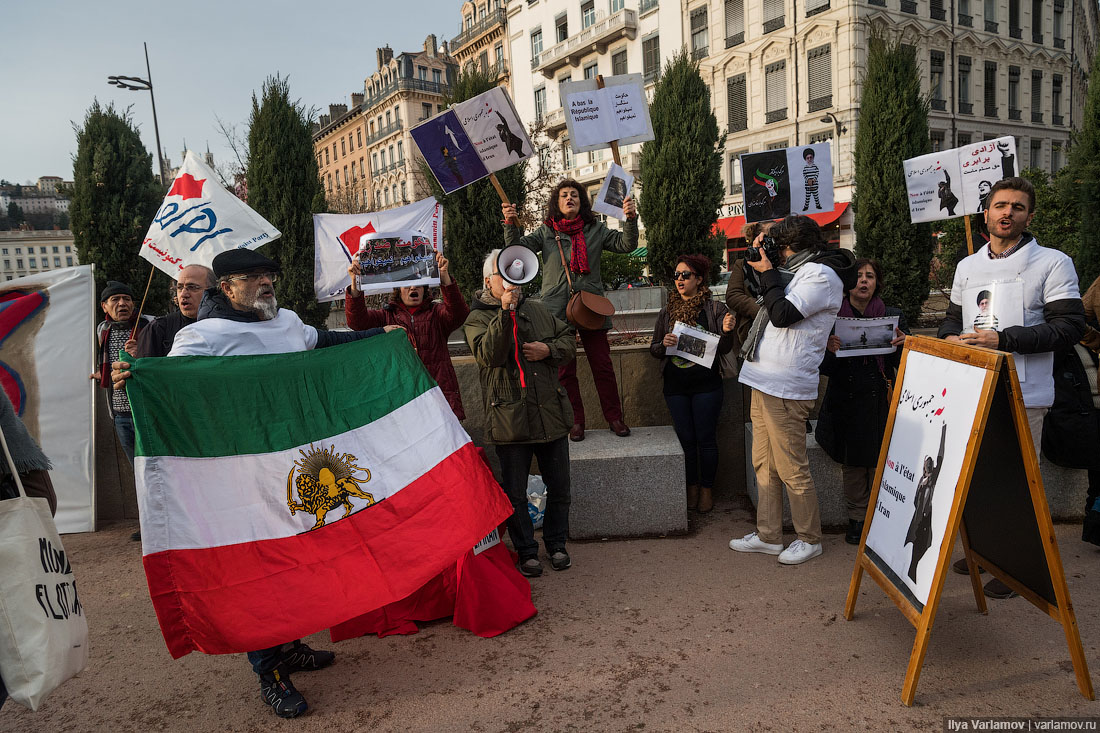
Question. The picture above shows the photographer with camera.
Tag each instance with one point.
(802, 285)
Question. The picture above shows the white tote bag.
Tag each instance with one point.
(43, 632)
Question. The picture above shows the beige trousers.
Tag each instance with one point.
(1035, 417)
(779, 457)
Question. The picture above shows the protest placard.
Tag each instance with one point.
(787, 181)
(612, 195)
(865, 336)
(595, 116)
(955, 182)
(694, 344)
(473, 139)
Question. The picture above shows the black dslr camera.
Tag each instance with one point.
(771, 251)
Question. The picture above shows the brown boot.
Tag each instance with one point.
(706, 501)
(693, 496)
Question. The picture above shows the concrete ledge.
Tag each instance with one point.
(1066, 488)
(627, 487)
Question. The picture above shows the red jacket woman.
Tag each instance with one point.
(427, 323)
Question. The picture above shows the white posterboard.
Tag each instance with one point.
(937, 406)
(788, 181)
(955, 182)
(866, 336)
(595, 117)
(694, 344)
(612, 195)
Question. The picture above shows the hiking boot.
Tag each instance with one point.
(559, 560)
(277, 691)
(959, 566)
(752, 543)
(300, 658)
(799, 552)
(854, 533)
(531, 567)
(136, 536)
(997, 590)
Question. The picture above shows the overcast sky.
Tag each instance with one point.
(206, 58)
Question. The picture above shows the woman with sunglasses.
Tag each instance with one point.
(693, 393)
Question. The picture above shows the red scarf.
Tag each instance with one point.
(578, 255)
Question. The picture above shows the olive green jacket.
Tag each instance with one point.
(538, 412)
(597, 238)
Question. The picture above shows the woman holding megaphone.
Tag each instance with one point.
(571, 242)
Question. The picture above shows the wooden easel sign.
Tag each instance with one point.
(957, 457)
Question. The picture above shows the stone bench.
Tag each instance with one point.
(627, 487)
(1065, 488)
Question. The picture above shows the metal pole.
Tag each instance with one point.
(156, 129)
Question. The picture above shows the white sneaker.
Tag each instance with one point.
(752, 543)
(799, 552)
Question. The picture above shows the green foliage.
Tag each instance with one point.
(950, 249)
(471, 215)
(1080, 184)
(15, 214)
(618, 269)
(893, 126)
(284, 188)
(681, 176)
(114, 200)
(1056, 219)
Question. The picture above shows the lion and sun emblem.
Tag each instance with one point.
(326, 480)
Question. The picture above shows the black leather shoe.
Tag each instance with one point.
(619, 428)
(855, 531)
(576, 433)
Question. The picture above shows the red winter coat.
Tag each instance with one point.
(428, 328)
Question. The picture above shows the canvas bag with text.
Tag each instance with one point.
(43, 631)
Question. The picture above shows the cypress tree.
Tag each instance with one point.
(284, 188)
(471, 215)
(1081, 186)
(114, 199)
(893, 126)
(681, 171)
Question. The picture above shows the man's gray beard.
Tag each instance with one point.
(266, 309)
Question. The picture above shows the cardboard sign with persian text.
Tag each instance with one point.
(596, 117)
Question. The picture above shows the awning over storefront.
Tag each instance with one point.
(641, 253)
(732, 225)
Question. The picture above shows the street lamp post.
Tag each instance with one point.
(840, 130)
(138, 84)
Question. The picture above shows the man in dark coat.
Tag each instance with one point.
(156, 340)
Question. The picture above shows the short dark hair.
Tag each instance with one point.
(753, 228)
(861, 262)
(699, 264)
(984, 295)
(552, 210)
(807, 153)
(1015, 183)
(798, 233)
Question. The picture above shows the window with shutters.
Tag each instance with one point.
(965, 18)
(775, 91)
(990, 16)
(561, 28)
(1035, 153)
(936, 10)
(813, 7)
(820, 74)
(737, 104)
(588, 13)
(963, 139)
(965, 107)
(1014, 28)
(1056, 27)
(735, 22)
(937, 138)
(699, 41)
(1037, 96)
(1014, 93)
(773, 15)
(651, 58)
(617, 5)
(540, 103)
(618, 62)
(989, 88)
(592, 70)
(1056, 99)
(1037, 21)
(536, 45)
(935, 80)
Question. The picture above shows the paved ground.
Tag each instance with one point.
(673, 634)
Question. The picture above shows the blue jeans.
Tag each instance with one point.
(265, 660)
(124, 426)
(515, 462)
(695, 418)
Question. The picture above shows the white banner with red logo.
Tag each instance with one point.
(200, 219)
(337, 238)
(46, 353)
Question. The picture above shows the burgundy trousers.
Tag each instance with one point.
(603, 374)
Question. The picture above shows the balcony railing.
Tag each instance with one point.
(940, 105)
(1059, 120)
(776, 116)
(595, 37)
(700, 53)
(735, 40)
(1016, 32)
(909, 6)
(991, 26)
(418, 85)
(387, 130)
(554, 121)
(991, 112)
(774, 24)
(966, 21)
(1037, 38)
(495, 18)
(391, 167)
(938, 14)
(810, 12)
(1015, 114)
(1036, 117)
(1059, 43)
(820, 103)
(880, 3)
(966, 108)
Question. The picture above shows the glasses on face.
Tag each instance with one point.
(189, 287)
(683, 275)
(251, 277)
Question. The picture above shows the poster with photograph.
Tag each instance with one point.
(983, 164)
(866, 336)
(787, 181)
(595, 117)
(616, 187)
(472, 139)
(932, 184)
(996, 306)
(396, 259)
(694, 344)
(937, 406)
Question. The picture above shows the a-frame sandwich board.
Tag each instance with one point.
(957, 458)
